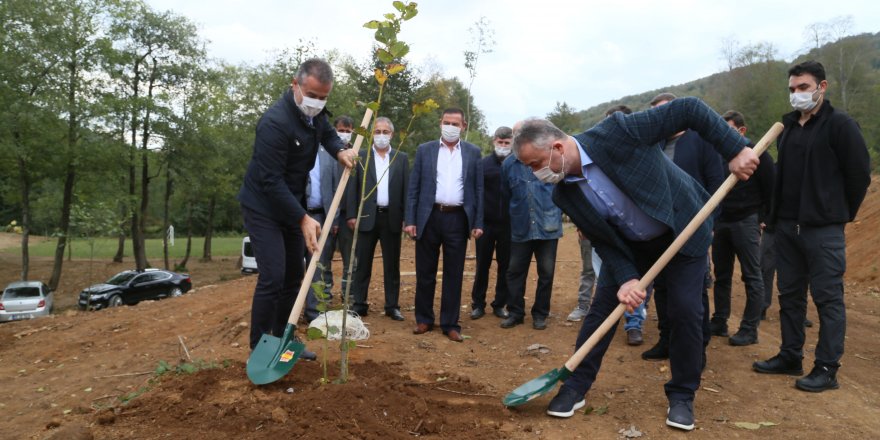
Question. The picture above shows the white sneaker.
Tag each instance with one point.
(577, 314)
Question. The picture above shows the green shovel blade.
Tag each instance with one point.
(273, 357)
(536, 387)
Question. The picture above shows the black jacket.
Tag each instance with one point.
(837, 170)
(751, 196)
(496, 206)
(398, 175)
(285, 148)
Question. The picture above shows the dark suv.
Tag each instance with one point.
(131, 287)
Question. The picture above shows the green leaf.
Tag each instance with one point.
(399, 6)
(411, 11)
(322, 306)
(390, 16)
(768, 424)
(332, 330)
(314, 333)
(372, 24)
(399, 49)
(424, 107)
(747, 425)
(374, 106)
(588, 410)
(601, 410)
(351, 344)
(384, 56)
(394, 69)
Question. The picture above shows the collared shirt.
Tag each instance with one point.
(450, 181)
(613, 204)
(314, 187)
(383, 166)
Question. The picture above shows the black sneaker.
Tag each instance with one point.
(681, 414)
(658, 352)
(820, 379)
(718, 327)
(743, 338)
(566, 402)
(779, 365)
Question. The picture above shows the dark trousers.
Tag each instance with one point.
(366, 248)
(495, 240)
(768, 264)
(813, 257)
(520, 258)
(323, 273)
(738, 240)
(450, 230)
(663, 324)
(279, 251)
(343, 243)
(683, 280)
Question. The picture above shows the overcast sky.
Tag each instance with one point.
(580, 52)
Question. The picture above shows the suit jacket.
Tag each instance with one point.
(398, 178)
(285, 148)
(623, 147)
(423, 185)
(330, 174)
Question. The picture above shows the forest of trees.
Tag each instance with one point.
(115, 122)
(755, 83)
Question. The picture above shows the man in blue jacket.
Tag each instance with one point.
(822, 175)
(273, 195)
(535, 228)
(631, 202)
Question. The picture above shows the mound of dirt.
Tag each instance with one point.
(378, 402)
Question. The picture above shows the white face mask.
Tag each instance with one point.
(450, 133)
(310, 106)
(805, 101)
(346, 137)
(382, 141)
(547, 175)
(502, 151)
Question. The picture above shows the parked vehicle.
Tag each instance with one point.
(25, 300)
(248, 262)
(131, 287)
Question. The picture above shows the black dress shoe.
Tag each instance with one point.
(779, 365)
(511, 321)
(477, 313)
(820, 379)
(743, 338)
(659, 351)
(394, 314)
(500, 312)
(539, 323)
(718, 328)
(681, 414)
(566, 402)
(360, 312)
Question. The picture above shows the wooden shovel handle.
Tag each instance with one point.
(325, 229)
(670, 252)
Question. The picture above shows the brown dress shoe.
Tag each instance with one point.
(454, 336)
(421, 328)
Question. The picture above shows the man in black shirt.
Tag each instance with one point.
(822, 176)
(737, 236)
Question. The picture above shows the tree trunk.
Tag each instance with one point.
(136, 242)
(120, 248)
(63, 227)
(25, 215)
(165, 222)
(209, 230)
(189, 222)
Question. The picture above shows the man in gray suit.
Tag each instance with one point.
(318, 200)
(382, 179)
(444, 205)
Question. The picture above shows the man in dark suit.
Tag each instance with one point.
(631, 202)
(273, 195)
(387, 174)
(444, 206)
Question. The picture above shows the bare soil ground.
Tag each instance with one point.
(79, 375)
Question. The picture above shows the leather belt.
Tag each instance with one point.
(448, 208)
(382, 208)
(315, 210)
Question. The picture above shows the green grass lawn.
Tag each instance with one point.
(105, 248)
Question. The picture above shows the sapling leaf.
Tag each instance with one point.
(384, 56)
(380, 75)
(372, 24)
(332, 330)
(399, 49)
(390, 16)
(396, 68)
(410, 12)
(399, 6)
(314, 333)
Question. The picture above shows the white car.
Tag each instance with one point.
(25, 300)
(248, 261)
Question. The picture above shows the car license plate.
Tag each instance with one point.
(22, 316)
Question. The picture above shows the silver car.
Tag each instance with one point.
(25, 300)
